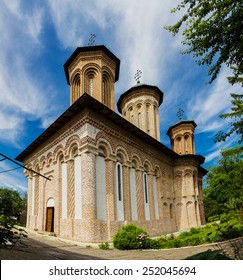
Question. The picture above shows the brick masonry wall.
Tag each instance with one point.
(89, 131)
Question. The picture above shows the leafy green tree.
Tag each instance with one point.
(236, 116)
(12, 208)
(11, 203)
(213, 32)
(224, 190)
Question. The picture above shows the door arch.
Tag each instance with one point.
(50, 209)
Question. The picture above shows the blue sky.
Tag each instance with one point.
(37, 37)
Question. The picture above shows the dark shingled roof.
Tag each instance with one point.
(180, 123)
(86, 101)
(92, 49)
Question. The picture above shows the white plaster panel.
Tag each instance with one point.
(133, 194)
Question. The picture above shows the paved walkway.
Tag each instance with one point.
(43, 247)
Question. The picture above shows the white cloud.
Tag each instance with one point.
(136, 27)
(23, 95)
(211, 101)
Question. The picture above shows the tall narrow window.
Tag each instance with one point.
(186, 144)
(139, 120)
(145, 178)
(146, 196)
(119, 192)
(119, 182)
(91, 86)
(147, 118)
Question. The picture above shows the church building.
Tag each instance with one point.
(102, 169)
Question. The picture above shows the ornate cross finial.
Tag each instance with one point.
(180, 113)
(138, 76)
(91, 39)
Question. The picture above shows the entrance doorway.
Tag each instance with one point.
(50, 219)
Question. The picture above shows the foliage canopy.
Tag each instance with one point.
(224, 190)
(214, 32)
(11, 203)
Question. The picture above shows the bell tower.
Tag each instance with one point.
(93, 70)
(182, 137)
(140, 106)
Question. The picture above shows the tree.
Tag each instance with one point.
(12, 207)
(224, 190)
(213, 32)
(236, 115)
(11, 203)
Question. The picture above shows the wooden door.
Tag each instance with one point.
(50, 219)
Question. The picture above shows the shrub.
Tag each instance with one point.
(9, 233)
(131, 237)
(185, 234)
(230, 229)
(104, 246)
(194, 230)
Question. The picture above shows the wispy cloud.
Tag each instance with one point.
(22, 95)
(210, 102)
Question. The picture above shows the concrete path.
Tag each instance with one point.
(43, 247)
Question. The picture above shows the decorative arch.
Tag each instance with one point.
(49, 158)
(122, 153)
(59, 151)
(106, 88)
(136, 161)
(75, 85)
(105, 146)
(36, 165)
(90, 72)
(102, 139)
(71, 142)
(147, 166)
(50, 202)
(157, 171)
(42, 162)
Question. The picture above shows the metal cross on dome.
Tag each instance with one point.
(138, 76)
(180, 113)
(91, 39)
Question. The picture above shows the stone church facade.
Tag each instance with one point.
(102, 169)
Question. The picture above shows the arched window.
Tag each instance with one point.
(89, 81)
